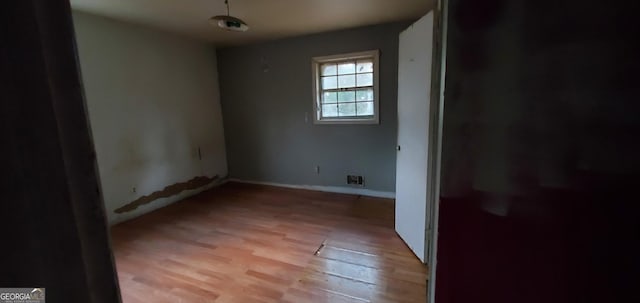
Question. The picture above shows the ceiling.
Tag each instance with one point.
(267, 19)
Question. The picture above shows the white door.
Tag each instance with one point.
(414, 90)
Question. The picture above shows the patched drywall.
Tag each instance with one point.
(167, 192)
(154, 108)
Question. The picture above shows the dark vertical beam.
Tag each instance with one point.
(53, 223)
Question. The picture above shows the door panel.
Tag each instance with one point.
(414, 89)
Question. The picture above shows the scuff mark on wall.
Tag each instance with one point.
(167, 192)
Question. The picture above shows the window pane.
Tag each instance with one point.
(347, 96)
(346, 109)
(330, 110)
(365, 66)
(330, 97)
(365, 108)
(329, 82)
(329, 69)
(346, 81)
(346, 68)
(365, 79)
(364, 95)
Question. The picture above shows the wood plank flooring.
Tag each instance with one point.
(250, 243)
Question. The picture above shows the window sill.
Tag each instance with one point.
(346, 121)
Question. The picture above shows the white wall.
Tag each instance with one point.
(153, 100)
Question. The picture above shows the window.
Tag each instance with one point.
(345, 88)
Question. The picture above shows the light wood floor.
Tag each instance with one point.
(249, 243)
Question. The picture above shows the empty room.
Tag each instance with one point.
(259, 151)
(445, 151)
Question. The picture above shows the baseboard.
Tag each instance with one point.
(331, 189)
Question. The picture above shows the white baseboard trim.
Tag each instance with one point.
(331, 189)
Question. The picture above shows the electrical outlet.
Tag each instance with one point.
(133, 189)
(355, 180)
(318, 169)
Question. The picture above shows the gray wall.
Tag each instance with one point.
(267, 104)
(153, 101)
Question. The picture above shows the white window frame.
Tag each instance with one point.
(316, 62)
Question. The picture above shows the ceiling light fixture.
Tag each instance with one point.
(229, 23)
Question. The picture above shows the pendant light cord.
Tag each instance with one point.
(227, 3)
